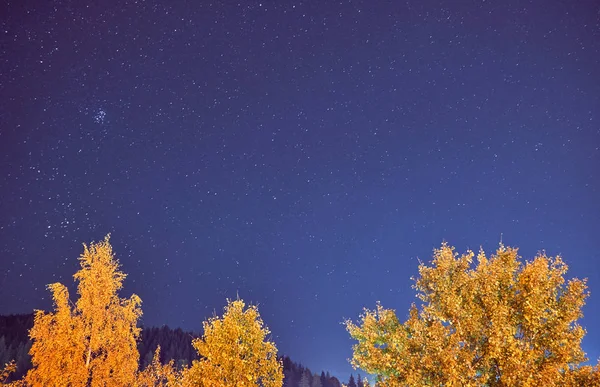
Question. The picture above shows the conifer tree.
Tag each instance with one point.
(351, 382)
(316, 381)
(324, 379)
(359, 381)
(305, 380)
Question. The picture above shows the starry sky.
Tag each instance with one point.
(304, 155)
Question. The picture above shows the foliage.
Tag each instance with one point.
(94, 342)
(157, 374)
(175, 344)
(91, 343)
(5, 372)
(234, 351)
(499, 322)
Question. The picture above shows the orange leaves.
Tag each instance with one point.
(157, 374)
(5, 372)
(495, 322)
(94, 342)
(235, 351)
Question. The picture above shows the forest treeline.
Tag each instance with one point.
(175, 344)
(481, 321)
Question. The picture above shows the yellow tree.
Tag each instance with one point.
(157, 374)
(493, 322)
(235, 351)
(93, 342)
(8, 369)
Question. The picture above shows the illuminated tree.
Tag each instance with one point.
(5, 372)
(93, 342)
(498, 322)
(157, 374)
(235, 351)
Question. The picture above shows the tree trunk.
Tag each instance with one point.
(89, 357)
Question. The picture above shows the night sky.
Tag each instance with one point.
(304, 155)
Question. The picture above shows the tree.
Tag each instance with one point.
(288, 378)
(324, 379)
(5, 372)
(499, 322)
(351, 382)
(22, 358)
(359, 381)
(157, 374)
(4, 353)
(235, 351)
(305, 379)
(316, 381)
(93, 342)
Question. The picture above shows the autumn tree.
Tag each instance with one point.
(493, 322)
(6, 371)
(157, 374)
(92, 342)
(235, 351)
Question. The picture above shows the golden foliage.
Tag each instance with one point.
(496, 322)
(91, 343)
(235, 351)
(157, 374)
(5, 372)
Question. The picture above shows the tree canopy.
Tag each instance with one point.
(235, 351)
(496, 321)
(91, 342)
(482, 321)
